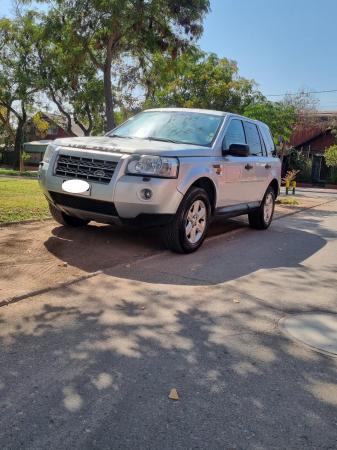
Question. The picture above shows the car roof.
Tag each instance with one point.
(195, 110)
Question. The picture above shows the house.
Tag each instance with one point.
(37, 142)
(312, 138)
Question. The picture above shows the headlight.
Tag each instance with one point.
(154, 166)
(48, 153)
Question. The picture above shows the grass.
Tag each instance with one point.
(287, 201)
(21, 200)
(15, 173)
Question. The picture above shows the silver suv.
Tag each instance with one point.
(174, 168)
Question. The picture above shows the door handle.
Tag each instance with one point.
(267, 166)
(248, 167)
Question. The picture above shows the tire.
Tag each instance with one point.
(186, 236)
(263, 216)
(66, 219)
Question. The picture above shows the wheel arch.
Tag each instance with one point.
(208, 185)
(274, 184)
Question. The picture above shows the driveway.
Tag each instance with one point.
(90, 365)
(37, 256)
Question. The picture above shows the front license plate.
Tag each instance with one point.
(76, 186)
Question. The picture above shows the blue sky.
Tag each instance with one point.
(284, 45)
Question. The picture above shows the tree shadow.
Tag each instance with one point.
(96, 375)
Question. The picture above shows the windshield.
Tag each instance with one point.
(183, 127)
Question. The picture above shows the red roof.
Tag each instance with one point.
(304, 134)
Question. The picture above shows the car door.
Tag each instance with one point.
(257, 159)
(236, 173)
(271, 169)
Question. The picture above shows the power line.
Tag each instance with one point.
(301, 92)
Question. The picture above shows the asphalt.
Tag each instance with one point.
(91, 365)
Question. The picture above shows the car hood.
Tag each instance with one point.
(133, 146)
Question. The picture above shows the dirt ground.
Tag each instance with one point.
(43, 254)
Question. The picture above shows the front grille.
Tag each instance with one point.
(84, 203)
(89, 169)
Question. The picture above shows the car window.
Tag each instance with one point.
(264, 149)
(253, 139)
(267, 137)
(234, 135)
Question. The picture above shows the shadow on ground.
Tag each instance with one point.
(220, 259)
(93, 247)
(91, 366)
(97, 376)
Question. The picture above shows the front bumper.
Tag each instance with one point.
(120, 199)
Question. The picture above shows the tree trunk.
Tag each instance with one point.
(18, 145)
(109, 101)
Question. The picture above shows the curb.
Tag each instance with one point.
(17, 298)
(303, 208)
(23, 222)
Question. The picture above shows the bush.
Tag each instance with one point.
(305, 173)
(330, 156)
(296, 160)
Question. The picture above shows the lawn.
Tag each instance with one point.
(21, 200)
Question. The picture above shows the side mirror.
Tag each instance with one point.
(237, 150)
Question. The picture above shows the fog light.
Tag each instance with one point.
(146, 194)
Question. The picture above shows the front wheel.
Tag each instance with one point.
(188, 230)
(262, 217)
(66, 219)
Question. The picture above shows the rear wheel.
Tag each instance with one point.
(66, 219)
(188, 230)
(262, 217)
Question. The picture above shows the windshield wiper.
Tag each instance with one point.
(153, 138)
(120, 136)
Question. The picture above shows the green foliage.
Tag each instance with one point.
(306, 170)
(41, 125)
(296, 160)
(21, 200)
(197, 80)
(280, 118)
(18, 82)
(330, 156)
(25, 157)
(108, 31)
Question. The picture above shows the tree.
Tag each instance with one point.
(17, 78)
(199, 80)
(7, 132)
(65, 74)
(279, 116)
(330, 156)
(108, 30)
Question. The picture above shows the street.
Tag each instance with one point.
(90, 365)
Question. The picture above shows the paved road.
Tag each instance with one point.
(90, 366)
